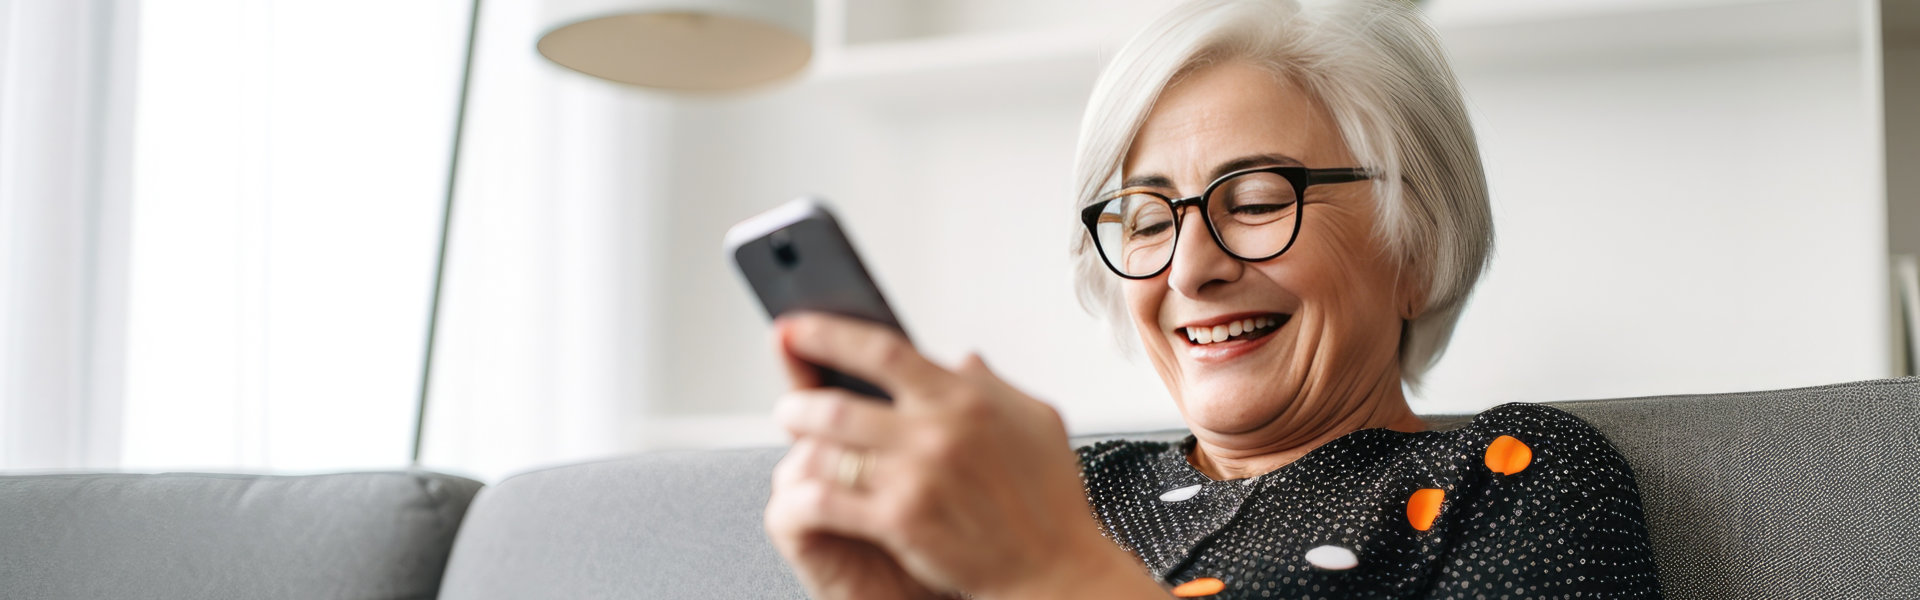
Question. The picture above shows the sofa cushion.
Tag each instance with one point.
(661, 525)
(357, 535)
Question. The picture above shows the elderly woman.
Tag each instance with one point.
(1285, 207)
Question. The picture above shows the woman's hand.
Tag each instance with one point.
(829, 565)
(962, 483)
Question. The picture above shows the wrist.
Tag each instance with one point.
(1096, 569)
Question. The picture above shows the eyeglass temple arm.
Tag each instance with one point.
(1340, 175)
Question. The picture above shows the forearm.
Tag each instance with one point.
(1100, 570)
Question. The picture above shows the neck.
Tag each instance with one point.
(1296, 433)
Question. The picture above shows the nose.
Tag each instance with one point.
(1198, 262)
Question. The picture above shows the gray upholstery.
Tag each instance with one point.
(1807, 493)
(663, 525)
(363, 535)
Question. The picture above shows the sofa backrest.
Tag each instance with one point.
(1807, 493)
(355, 535)
(1803, 493)
(660, 525)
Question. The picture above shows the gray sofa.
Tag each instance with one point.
(1806, 493)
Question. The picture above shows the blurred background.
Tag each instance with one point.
(219, 219)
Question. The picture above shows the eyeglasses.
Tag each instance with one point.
(1254, 215)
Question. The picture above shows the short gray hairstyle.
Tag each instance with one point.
(1379, 69)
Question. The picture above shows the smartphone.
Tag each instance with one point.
(796, 257)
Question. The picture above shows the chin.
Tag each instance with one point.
(1232, 407)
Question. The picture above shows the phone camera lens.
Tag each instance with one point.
(783, 248)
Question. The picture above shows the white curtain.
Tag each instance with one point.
(289, 160)
(232, 273)
(66, 104)
(552, 293)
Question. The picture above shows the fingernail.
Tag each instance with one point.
(783, 333)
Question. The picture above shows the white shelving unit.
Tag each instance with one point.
(1478, 34)
(1481, 34)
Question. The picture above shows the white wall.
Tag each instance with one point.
(545, 353)
(1701, 218)
(962, 211)
(1698, 224)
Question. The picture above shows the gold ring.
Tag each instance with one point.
(853, 468)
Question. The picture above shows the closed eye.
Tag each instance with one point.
(1152, 230)
(1260, 209)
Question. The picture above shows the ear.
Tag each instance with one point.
(1412, 289)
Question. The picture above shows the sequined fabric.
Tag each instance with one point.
(1566, 524)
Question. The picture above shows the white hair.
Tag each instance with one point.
(1379, 70)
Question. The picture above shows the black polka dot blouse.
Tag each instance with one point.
(1525, 502)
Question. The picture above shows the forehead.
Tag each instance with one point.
(1227, 111)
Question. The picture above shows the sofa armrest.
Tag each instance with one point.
(353, 535)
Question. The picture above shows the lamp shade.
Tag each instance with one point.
(681, 44)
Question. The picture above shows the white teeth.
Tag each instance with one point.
(1220, 333)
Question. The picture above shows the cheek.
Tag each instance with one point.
(1343, 273)
(1144, 299)
(1143, 304)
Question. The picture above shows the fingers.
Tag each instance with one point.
(807, 495)
(862, 349)
(814, 460)
(800, 374)
(973, 368)
(798, 464)
(838, 416)
(814, 505)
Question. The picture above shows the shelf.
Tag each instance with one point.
(968, 67)
(962, 52)
(1640, 31)
(1478, 35)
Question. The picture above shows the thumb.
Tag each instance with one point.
(975, 367)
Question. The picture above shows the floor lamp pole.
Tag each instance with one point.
(446, 227)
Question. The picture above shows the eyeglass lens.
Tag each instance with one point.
(1252, 214)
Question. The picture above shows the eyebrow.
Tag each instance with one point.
(1153, 180)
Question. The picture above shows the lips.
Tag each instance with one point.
(1233, 329)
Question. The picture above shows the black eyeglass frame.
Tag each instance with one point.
(1300, 177)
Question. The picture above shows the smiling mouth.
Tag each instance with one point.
(1234, 331)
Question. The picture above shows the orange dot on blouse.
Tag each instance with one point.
(1507, 455)
(1204, 586)
(1424, 507)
